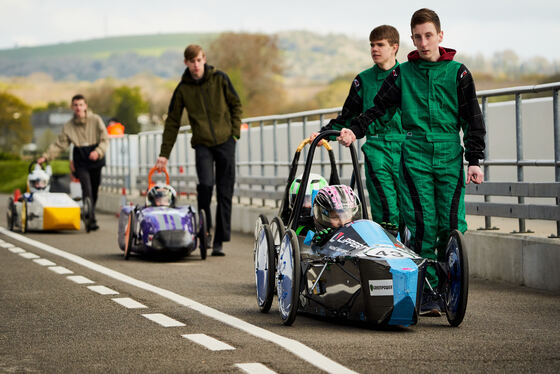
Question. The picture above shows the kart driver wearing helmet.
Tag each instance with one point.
(38, 180)
(334, 207)
(161, 195)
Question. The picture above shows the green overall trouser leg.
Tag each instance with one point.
(433, 193)
(382, 163)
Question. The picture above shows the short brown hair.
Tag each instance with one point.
(78, 97)
(192, 51)
(425, 15)
(385, 32)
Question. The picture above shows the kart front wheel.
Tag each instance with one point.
(23, 216)
(261, 220)
(289, 276)
(10, 213)
(264, 268)
(203, 234)
(129, 234)
(456, 285)
(87, 213)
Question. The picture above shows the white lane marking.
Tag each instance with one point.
(29, 255)
(208, 342)
(102, 290)
(298, 349)
(129, 303)
(255, 368)
(80, 279)
(163, 320)
(44, 262)
(6, 245)
(61, 270)
(16, 250)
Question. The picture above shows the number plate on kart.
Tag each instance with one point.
(390, 251)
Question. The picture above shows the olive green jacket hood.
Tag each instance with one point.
(213, 108)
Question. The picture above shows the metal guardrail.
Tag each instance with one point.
(268, 142)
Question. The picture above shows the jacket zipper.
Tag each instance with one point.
(208, 114)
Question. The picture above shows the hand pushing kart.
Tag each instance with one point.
(362, 272)
(161, 227)
(38, 209)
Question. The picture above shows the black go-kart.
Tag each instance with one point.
(362, 273)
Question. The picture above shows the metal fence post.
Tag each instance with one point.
(487, 219)
(519, 147)
(556, 120)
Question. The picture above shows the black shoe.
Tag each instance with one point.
(218, 250)
(430, 305)
(93, 227)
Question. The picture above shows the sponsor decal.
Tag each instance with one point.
(356, 83)
(463, 74)
(381, 287)
(339, 238)
(394, 73)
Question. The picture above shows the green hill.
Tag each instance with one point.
(309, 55)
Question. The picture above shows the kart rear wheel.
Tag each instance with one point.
(10, 213)
(87, 213)
(202, 234)
(129, 234)
(24, 216)
(261, 220)
(264, 254)
(278, 230)
(289, 277)
(456, 286)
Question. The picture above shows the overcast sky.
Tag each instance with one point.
(529, 28)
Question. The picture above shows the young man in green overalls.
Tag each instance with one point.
(382, 149)
(437, 98)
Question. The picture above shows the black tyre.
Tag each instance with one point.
(23, 216)
(261, 220)
(289, 277)
(264, 254)
(456, 285)
(129, 234)
(87, 213)
(11, 213)
(202, 234)
(278, 230)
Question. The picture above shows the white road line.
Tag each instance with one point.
(208, 342)
(44, 262)
(61, 270)
(6, 245)
(80, 279)
(102, 290)
(163, 320)
(129, 303)
(29, 255)
(255, 368)
(300, 350)
(16, 250)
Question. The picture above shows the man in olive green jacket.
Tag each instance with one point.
(214, 111)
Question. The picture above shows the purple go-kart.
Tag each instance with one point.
(160, 227)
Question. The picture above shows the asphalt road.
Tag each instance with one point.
(51, 323)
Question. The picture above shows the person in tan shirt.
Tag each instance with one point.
(86, 131)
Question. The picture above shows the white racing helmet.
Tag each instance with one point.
(161, 195)
(38, 180)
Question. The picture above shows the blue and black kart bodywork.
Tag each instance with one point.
(362, 273)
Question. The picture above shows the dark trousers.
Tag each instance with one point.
(216, 165)
(90, 179)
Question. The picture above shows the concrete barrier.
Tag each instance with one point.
(520, 260)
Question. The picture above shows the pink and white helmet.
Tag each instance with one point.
(335, 206)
